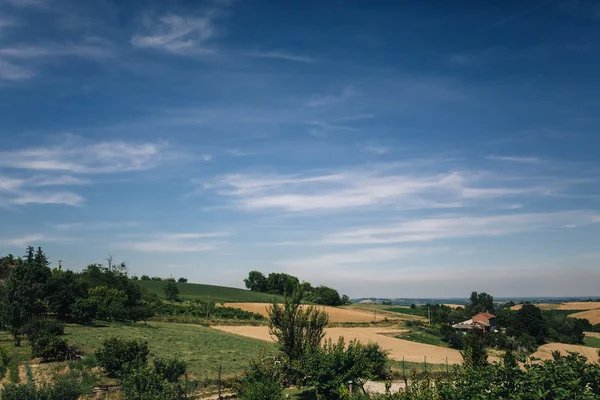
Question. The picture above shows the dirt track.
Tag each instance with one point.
(545, 351)
(398, 348)
(336, 314)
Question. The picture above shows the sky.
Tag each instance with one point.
(388, 149)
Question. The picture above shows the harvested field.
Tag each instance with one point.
(453, 306)
(545, 352)
(336, 314)
(592, 315)
(571, 305)
(398, 348)
(593, 334)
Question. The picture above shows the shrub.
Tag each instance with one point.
(43, 335)
(50, 348)
(117, 356)
(84, 310)
(261, 381)
(144, 384)
(171, 291)
(171, 369)
(377, 360)
(139, 313)
(182, 280)
(63, 389)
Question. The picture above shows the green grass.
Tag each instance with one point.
(592, 342)
(406, 310)
(422, 337)
(203, 348)
(218, 294)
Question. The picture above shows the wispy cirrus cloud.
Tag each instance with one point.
(177, 242)
(409, 185)
(461, 226)
(85, 157)
(29, 240)
(331, 99)
(176, 34)
(281, 55)
(333, 260)
(516, 159)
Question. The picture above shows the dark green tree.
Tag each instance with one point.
(256, 281)
(529, 320)
(171, 291)
(118, 356)
(474, 353)
(327, 296)
(61, 291)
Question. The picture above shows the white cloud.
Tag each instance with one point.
(524, 160)
(96, 225)
(279, 55)
(27, 240)
(78, 156)
(238, 152)
(60, 180)
(332, 260)
(206, 157)
(65, 198)
(327, 100)
(322, 128)
(175, 33)
(428, 229)
(177, 242)
(401, 186)
(12, 72)
(375, 149)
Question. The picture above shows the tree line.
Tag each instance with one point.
(285, 284)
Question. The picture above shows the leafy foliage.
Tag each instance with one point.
(117, 356)
(171, 369)
(298, 329)
(63, 389)
(141, 383)
(171, 292)
(84, 310)
(262, 380)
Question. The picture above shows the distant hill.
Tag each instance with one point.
(218, 294)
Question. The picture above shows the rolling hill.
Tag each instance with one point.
(218, 294)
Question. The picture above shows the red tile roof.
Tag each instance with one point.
(483, 317)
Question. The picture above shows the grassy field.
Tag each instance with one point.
(406, 310)
(203, 348)
(592, 342)
(218, 294)
(422, 337)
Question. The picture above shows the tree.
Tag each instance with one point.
(171, 291)
(327, 296)
(474, 355)
(530, 320)
(61, 291)
(117, 356)
(141, 383)
(111, 302)
(84, 310)
(280, 283)
(44, 338)
(481, 302)
(256, 281)
(145, 278)
(346, 300)
(298, 329)
(182, 280)
(23, 294)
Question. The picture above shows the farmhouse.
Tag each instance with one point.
(483, 321)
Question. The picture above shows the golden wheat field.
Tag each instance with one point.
(591, 315)
(336, 314)
(398, 348)
(545, 352)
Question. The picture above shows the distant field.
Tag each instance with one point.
(591, 341)
(336, 314)
(218, 294)
(567, 306)
(592, 315)
(406, 310)
(545, 352)
(203, 348)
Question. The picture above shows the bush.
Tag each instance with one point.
(139, 313)
(144, 384)
(145, 278)
(49, 347)
(63, 389)
(171, 291)
(261, 381)
(171, 370)
(117, 356)
(43, 335)
(451, 336)
(182, 280)
(84, 310)
(377, 360)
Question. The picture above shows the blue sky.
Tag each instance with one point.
(422, 149)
